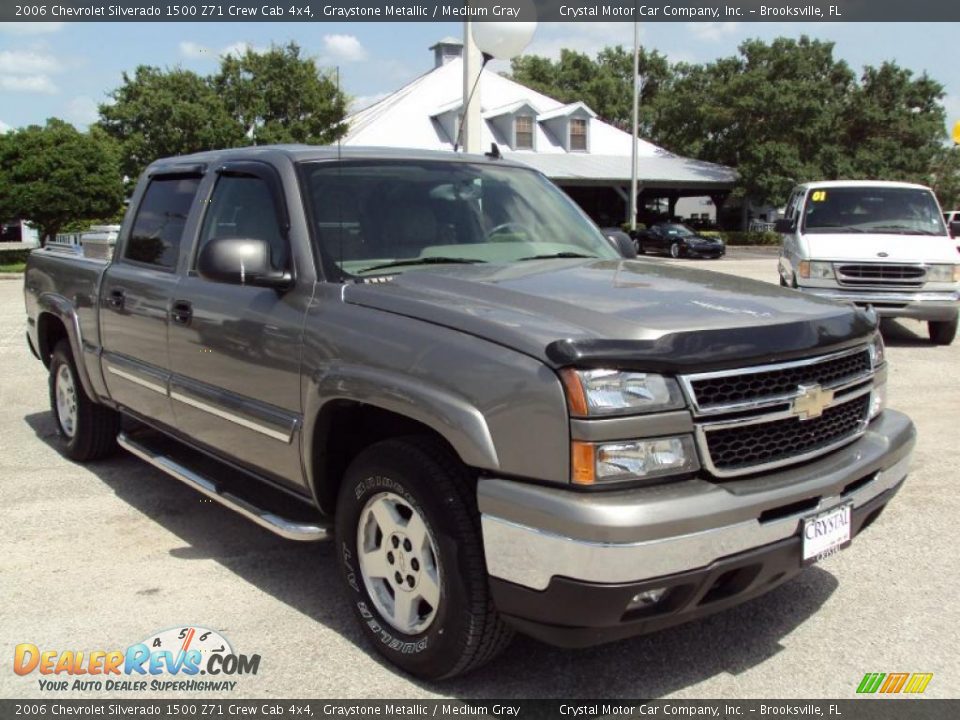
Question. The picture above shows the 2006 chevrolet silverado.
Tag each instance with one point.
(439, 361)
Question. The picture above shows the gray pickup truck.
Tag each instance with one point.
(439, 362)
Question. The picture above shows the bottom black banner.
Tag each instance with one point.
(874, 708)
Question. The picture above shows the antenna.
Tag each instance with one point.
(463, 116)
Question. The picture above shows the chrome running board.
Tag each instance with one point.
(284, 527)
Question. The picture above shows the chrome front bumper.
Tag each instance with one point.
(532, 534)
(916, 305)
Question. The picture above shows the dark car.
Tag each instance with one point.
(679, 241)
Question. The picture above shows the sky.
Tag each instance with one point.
(66, 69)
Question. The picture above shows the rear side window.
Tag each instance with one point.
(161, 218)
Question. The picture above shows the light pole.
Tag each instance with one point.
(634, 126)
(481, 42)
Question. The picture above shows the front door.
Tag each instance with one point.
(235, 349)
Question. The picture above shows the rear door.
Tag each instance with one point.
(235, 349)
(136, 293)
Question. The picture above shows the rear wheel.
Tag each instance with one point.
(640, 250)
(942, 332)
(409, 541)
(675, 250)
(87, 429)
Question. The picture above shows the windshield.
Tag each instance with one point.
(908, 211)
(677, 230)
(373, 215)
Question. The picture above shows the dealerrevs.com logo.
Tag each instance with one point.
(894, 683)
(178, 659)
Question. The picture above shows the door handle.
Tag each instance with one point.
(181, 312)
(116, 298)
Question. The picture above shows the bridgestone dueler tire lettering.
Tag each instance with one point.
(467, 630)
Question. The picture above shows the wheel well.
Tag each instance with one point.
(343, 430)
(50, 331)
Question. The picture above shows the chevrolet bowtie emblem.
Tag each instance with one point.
(811, 401)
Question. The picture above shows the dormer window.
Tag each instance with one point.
(578, 134)
(523, 132)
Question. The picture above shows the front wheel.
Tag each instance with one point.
(675, 250)
(88, 430)
(409, 540)
(942, 332)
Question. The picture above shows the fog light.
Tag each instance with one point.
(646, 598)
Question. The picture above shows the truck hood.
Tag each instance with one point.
(619, 312)
(867, 247)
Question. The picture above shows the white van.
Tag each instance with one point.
(875, 243)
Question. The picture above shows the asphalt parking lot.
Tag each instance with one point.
(101, 556)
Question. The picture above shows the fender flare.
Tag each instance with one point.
(62, 309)
(461, 424)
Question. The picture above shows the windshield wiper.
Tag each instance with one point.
(432, 260)
(829, 227)
(908, 230)
(551, 256)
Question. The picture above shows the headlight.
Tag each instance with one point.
(618, 392)
(816, 270)
(598, 463)
(878, 354)
(943, 273)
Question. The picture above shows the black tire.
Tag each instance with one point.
(466, 630)
(783, 283)
(675, 250)
(942, 332)
(94, 435)
(640, 250)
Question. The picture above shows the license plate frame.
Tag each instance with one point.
(826, 532)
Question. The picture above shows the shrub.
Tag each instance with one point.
(13, 256)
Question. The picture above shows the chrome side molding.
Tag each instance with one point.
(284, 527)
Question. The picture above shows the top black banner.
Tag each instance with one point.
(481, 10)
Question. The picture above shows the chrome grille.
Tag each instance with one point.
(882, 275)
(746, 386)
(752, 419)
(746, 447)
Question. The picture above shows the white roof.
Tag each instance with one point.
(863, 183)
(406, 118)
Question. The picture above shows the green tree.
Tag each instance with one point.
(53, 175)
(774, 112)
(160, 113)
(278, 96)
(945, 177)
(602, 83)
(893, 125)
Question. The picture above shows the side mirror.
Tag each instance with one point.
(955, 229)
(784, 226)
(622, 243)
(241, 261)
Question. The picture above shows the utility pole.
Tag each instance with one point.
(636, 120)
(471, 105)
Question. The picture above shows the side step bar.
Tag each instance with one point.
(284, 527)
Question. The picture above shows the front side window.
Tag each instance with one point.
(851, 210)
(242, 206)
(158, 228)
(578, 134)
(524, 132)
(369, 214)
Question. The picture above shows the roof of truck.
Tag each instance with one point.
(301, 153)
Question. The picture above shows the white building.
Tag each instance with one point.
(590, 159)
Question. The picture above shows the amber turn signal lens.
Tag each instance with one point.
(576, 397)
(582, 463)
